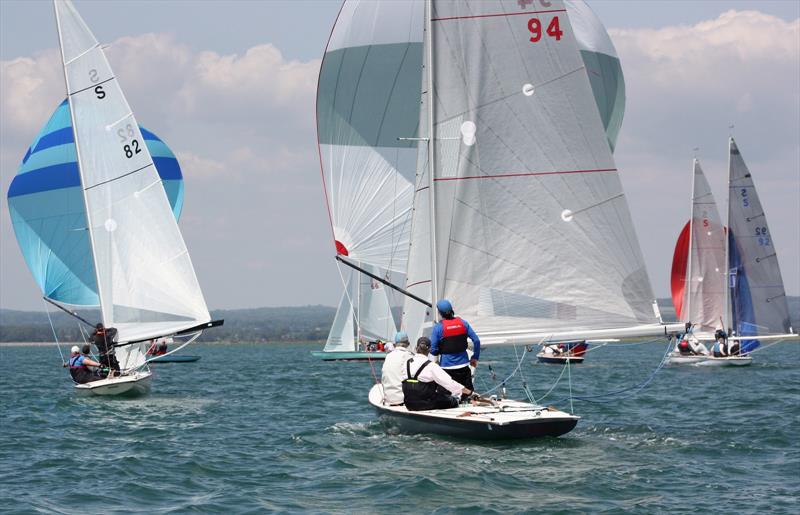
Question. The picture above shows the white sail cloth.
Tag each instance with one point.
(704, 296)
(146, 283)
(533, 232)
(758, 299)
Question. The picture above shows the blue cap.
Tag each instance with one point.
(444, 306)
(400, 336)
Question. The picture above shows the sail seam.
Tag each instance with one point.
(496, 15)
(524, 174)
(117, 178)
(92, 86)
(81, 54)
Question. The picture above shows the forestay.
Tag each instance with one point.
(532, 228)
(146, 282)
(698, 279)
(758, 298)
(45, 201)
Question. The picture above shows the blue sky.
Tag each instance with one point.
(236, 84)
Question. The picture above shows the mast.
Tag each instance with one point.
(726, 321)
(689, 260)
(80, 162)
(431, 159)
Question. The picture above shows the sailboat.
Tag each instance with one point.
(93, 217)
(750, 306)
(698, 272)
(519, 215)
(756, 309)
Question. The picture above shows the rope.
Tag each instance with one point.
(55, 336)
(634, 388)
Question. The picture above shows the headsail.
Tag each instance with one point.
(758, 299)
(533, 231)
(48, 214)
(146, 282)
(701, 252)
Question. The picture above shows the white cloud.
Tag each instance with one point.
(685, 86)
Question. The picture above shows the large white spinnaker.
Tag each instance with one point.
(533, 233)
(146, 283)
(758, 304)
(602, 66)
(367, 111)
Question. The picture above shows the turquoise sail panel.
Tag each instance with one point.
(48, 214)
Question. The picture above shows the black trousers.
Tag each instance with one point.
(461, 375)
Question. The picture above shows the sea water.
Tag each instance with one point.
(262, 428)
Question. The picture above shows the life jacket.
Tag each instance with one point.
(417, 395)
(683, 347)
(454, 336)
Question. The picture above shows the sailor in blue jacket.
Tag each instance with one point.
(449, 342)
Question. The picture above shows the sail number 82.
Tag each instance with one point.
(553, 29)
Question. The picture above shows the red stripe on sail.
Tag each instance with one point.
(678, 277)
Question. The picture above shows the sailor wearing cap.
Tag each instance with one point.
(391, 374)
(79, 366)
(449, 342)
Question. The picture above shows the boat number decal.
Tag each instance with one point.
(553, 29)
(745, 200)
(99, 92)
(131, 149)
(525, 4)
(763, 236)
(93, 75)
(125, 133)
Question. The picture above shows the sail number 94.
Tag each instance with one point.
(553, 29)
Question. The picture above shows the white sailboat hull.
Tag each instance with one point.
(137, 383)
(508, 420)
(709, 361)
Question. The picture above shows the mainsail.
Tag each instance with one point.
(145, 280)
(45, 201)
(698, 266)
(533, 234)
(758, 299)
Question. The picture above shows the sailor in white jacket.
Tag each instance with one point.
(393, 369)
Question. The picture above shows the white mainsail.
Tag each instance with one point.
(758, 304)
(704, 294)
(533, 234)
(146, 283)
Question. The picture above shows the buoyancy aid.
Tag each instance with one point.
(454, 336)
(78, 370)
(418, 395)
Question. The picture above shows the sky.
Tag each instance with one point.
(230, 86)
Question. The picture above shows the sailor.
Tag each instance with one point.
(721, 344)
(79, 366)
(392, 371)
(683, 347)
(449, 342)
(104, 341)
(388, 346)
(426, 386)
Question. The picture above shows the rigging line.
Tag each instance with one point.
(635, 388)
(119, 177)
(65, 310)
(346, 286)
(519, 364)
(55, 336)
(90, 87)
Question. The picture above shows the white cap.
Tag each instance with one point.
(75, 349)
